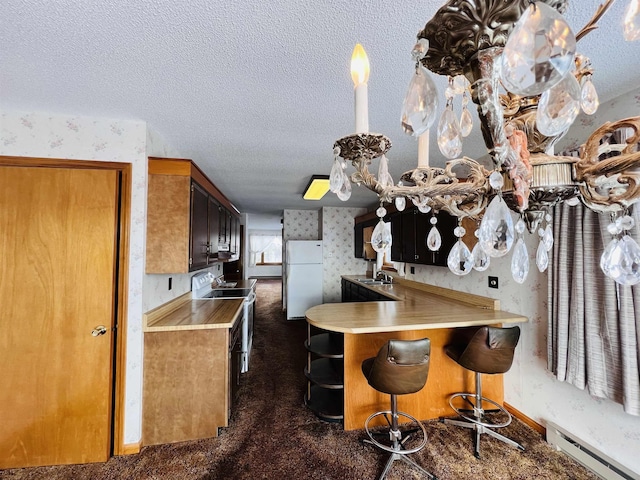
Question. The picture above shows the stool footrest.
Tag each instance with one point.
(478, 412)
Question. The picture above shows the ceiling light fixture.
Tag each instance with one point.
(317, 187)
(517, 61)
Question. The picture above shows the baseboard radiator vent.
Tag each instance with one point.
(587, 455)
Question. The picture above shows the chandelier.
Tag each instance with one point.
(517, 62)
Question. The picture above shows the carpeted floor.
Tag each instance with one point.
(273, 436)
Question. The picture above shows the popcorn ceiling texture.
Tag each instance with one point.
(255, 92)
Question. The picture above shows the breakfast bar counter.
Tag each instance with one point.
(417, 311)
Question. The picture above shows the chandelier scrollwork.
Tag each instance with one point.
(527, 97)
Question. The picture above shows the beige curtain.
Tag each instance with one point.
(594, 323)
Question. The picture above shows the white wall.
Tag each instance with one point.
(82, 138)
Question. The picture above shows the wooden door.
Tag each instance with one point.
(58, 244)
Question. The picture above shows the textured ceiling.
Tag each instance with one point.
(254, 92)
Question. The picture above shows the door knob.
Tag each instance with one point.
(99, 330)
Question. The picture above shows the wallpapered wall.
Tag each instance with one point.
(300, 225)
(529, 387)
(83, 138)
(337, 252)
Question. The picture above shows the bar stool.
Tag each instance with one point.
(490, 351)
(400, 367)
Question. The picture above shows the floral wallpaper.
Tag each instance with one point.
(337, 252)
(300, 225)
(85, 138)
(529, 387)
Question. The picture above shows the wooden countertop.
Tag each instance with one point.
(183, 313)
(417, 306)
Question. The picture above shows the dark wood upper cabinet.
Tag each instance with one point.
(199, 248)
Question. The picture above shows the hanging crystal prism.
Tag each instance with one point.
(632, 21)
(345, 189)
(558, 107)
(466, 121)
(481, 260)
(381, 237)
(420, 103)
(496, 232)
(460, 260)
(434, 239)
(449, 136)
(400, 203)
(621, 261)
(336, 177)
(589, 97)
(539, 51)
(542, 257)
(520, 262)
(384, 177)
(605, 258)
(547, 238)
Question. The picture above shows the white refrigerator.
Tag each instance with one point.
(303, 276)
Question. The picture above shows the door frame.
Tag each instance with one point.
(118, 378)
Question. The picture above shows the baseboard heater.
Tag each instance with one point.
(587, 455)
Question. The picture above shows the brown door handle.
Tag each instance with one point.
(99, 330)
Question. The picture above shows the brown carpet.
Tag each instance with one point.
(273, 436)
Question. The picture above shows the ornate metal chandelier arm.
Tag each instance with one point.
(613, 183)
(483, 72)
(591, 148)
(591, 25)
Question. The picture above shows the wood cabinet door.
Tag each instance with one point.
(58, 242)
(199, 227)
(214, 228)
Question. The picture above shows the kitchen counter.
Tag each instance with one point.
(417, 306)
(419, 311)
(184, 313)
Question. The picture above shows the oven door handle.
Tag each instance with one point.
(250, 298)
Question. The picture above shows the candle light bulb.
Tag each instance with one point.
(359, 66)
(360, 76)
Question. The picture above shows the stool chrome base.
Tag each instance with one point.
(478, 422)
(397, 442)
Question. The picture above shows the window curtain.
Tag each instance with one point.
(594, 323)
(257, 245)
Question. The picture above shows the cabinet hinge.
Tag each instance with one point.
(190, 260)
(192, 189)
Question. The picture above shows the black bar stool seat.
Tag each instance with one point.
(400, 367)
(490, 351)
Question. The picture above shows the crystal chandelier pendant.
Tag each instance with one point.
(466, 121)
(621, 261)
(384, 177)
(460, 261)
(381, 237)
(605, 258)
(481, 260)
(539, 52)
(345, 189)
(401, 203)
(449, 136)
(547, 238)
(336, 177)
(559, 106)
(589, 97)
(496, 232)
(542, 257)
(420, 103)
(520, 262)
(632, 21)
(434, 239)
